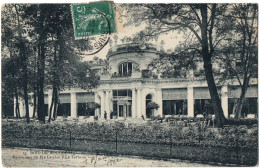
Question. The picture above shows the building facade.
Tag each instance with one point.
(124, 91)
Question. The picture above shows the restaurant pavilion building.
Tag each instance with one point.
(125, 91)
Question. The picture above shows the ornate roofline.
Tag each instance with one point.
(132, 48)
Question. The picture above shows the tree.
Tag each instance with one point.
(11, 82)
(240, 53)
(204, 21)
(39, 38)
(16, 40)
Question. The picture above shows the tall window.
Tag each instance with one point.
(175, 107)
(148, 100)
(249, 106)
(203, 106)
(125, 69)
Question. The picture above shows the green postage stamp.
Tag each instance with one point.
(93, 19)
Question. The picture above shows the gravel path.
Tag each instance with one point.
(24, 157)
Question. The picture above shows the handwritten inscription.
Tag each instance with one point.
(56, 156)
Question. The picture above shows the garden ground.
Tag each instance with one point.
(176, 139)
(25, 157)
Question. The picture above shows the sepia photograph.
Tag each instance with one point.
(106, 84)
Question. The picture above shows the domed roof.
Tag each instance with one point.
(132, 47)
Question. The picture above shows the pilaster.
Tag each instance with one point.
(102, 108)
(134, 114)
(159, 101)
(224, 100)
(139, 103)
(190, 101)
(73, 104)
(107, 103)
(97, 100)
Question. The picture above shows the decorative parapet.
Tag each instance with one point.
(136, 75)
(126, 48)
(105, 77)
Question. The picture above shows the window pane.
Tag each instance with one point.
(166, 107)
(130, 108)
(252, 106)
(122, 92)
(115, 108)
(120, 69)
(149, 96)
(173, 107)
(63, 109)
(114, 93)
(81, 109)
(129, 93)
(130, 66)
(121, 108)
(124, 69)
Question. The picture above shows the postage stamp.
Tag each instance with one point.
(93, 19)
(93, 22)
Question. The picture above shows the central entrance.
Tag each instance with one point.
(124, 109)
(122, 103)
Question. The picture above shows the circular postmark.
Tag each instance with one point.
(93, 25)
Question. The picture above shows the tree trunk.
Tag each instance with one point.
(238, 107)
(216, 103)
(34, 101)
(41, 84)
(239, 103)
(56, 82)
(26, 97)
(17, 111)
(41, 67)
(24, 66)
(52, 102)
(55, 105)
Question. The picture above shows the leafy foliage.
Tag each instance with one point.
(152, 105)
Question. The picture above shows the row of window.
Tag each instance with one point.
(120, 93)
(204, 107)
(125, 69)
(170, 107)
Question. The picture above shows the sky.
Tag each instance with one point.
(170, 39)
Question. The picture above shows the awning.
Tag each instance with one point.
(85, 97)
(174, 94)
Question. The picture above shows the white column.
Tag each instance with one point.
(14, 107)
(224, 100)
(159, 101)
(73, 105)
(190, 102)
(97, 100)
(133, 104)
(143, 102)
(139, 104)
(102, 104)
(21, 107)
(111, 101)
(30, 110)
(107, 102)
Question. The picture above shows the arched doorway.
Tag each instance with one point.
(148, 99)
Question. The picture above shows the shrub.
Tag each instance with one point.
(242, 121)
(152, 105)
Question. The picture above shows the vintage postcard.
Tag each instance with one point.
(104, 84)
